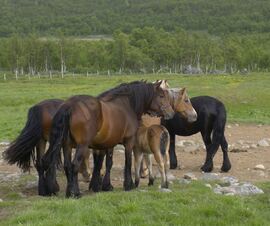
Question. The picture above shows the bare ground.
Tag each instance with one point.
(240, 137)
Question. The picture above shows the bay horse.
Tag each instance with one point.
(31, 142)
(144, 142)
(100, 123)
(210, 123)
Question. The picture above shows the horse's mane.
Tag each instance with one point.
(139, 93)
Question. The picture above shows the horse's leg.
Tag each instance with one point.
(128, 182)
(138, 156)
(208, 165)
(80, 154)
(161, 167)
(149, 165)
(106, 183)
(40, 149)
(67, 150)
(85, 168)
(173, 158)
(226, 166)
(95, 183)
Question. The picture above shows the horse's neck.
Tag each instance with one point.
(148, 120)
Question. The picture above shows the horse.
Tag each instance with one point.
(153, 139)
(180, 103)
(210, 123)
(31, 142)
(100, 123)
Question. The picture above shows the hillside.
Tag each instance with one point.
(89, 17)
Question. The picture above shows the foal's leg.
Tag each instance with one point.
(40, 149)
(173, 157)
(161, 167)
(138, 156)
(80, 154)
(85, 168)
(106, 183)
(149, 165)
(226, 166)
(96, 181)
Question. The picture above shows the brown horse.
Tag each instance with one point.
(179, 101)
(100, 123)
(31, 142)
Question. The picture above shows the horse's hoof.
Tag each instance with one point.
(74, 195)
(173, 165)
(206, 169)
(151, 181)
(129, 186)
(226, 167)
(108, 187)
(137, 183)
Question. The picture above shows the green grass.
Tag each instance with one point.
(192, 204)
(246, 98)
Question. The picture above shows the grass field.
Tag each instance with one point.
(246, 98)
(192, 204)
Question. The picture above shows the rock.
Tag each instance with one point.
(253, 146)
(166, 190)
(208, 185)
(241, 142)
(1, 200)
(192, 149)
(179, 143)
(228, 180)
(236, 124)
(263, 143)
(184, 181)
(229, 126)
(170, 177)
(187, 143)
(259, 167)
(244, 189)
(210, 176)
(238, 150)
(190, 176)
(4, 143)
(31, 184)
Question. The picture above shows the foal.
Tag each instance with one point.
(155, 140)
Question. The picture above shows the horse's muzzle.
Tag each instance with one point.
(192, 116)
(169, 115)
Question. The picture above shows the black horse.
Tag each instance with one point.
(210, 123)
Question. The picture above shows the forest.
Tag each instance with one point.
(213, 36)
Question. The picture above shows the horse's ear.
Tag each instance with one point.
(183, 91)
(157, 84)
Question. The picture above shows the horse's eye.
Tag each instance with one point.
(186, 101)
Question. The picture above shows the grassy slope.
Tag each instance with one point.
(246, 98)
(192, 204)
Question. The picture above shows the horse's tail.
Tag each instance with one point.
(219, 127)
(164, 141)
(23, 148)
(58, 135)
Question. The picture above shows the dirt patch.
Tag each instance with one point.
(238, 136)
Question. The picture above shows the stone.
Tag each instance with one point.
(259, 167)
(188, 143)
(238, 150)
(166, 190)
(192, 149)
(170, 177)
(239, 189)
(263, 143)
(228, 180)
(31, 184)
(241, 142)
(253, 146)
(1, 200)
(4, 143)
(229, 126)
(184, 181)
(208, 185)
(210, 176)
(190, 176)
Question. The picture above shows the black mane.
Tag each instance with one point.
(140, 94)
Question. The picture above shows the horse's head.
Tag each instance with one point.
(181, 104)
(160, 104)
